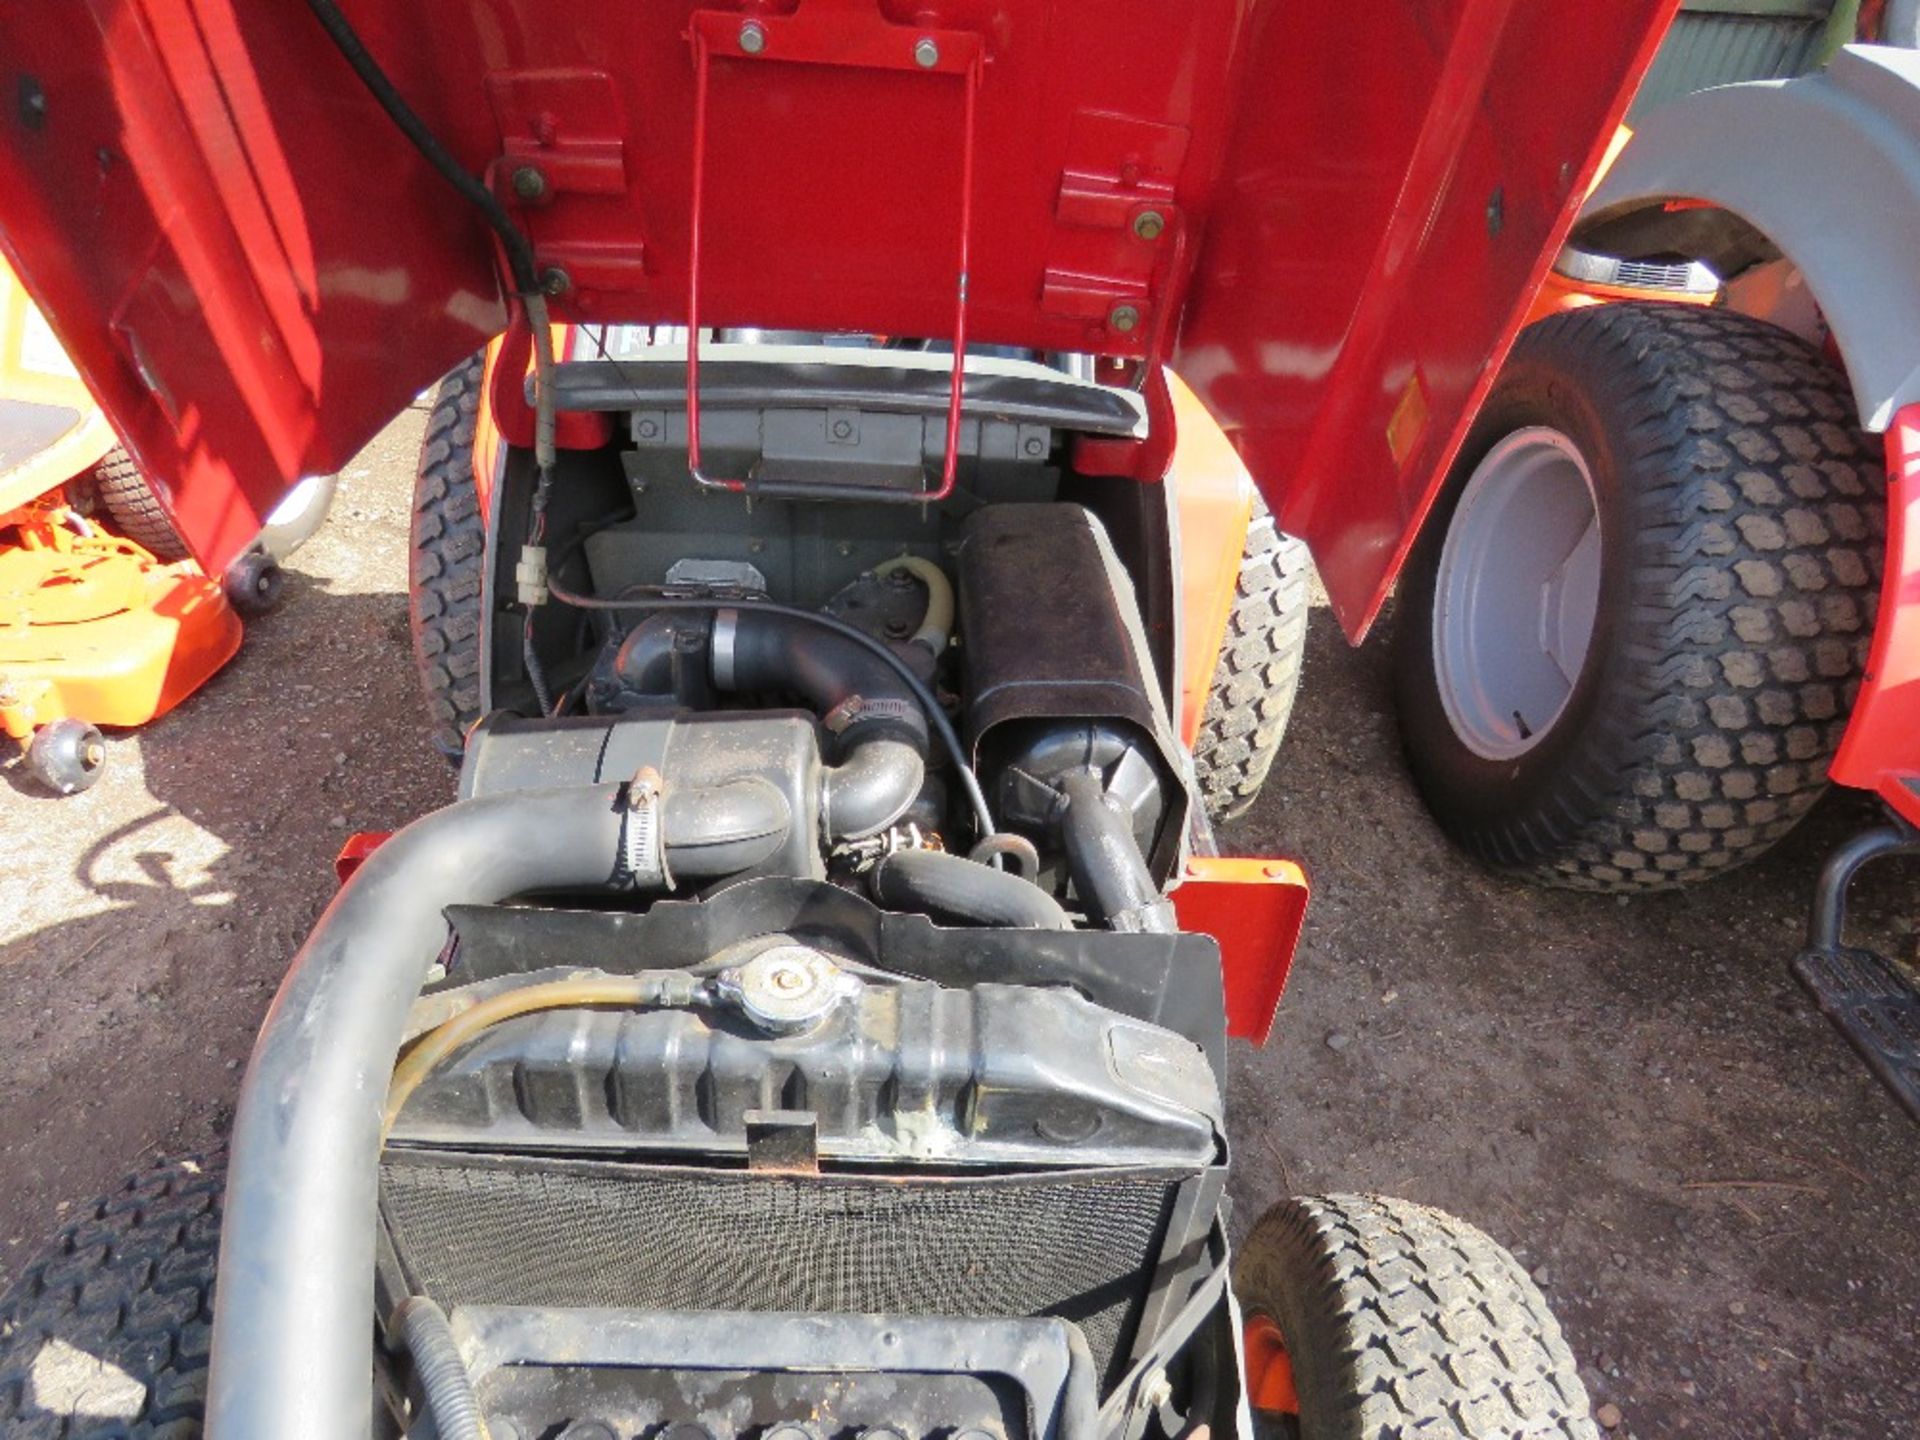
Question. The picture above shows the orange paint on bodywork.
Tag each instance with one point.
(1213, 504)
(1253, 908)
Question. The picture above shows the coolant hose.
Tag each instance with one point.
(295, 1305)
(936, 626)
(953, 888)
(1104, 859)
(631, 991)
(423, 1329)
(881, 729)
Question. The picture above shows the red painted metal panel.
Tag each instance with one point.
(255, 271)
(356, 851)
(1399, 179)
(1881, 749)
(1254, 908)
(251, 270)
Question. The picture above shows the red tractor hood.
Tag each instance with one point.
(1327, 217)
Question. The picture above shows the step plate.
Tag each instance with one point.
(1876, 1007)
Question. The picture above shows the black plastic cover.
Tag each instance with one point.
(1056, 654)
(903, 1071)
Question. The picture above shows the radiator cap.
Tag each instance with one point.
(787, 988)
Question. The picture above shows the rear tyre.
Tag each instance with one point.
(1398, 1320)
(67, 756)
(134, 508)
(1258, 672)
(1655, 698)
(448, 550)
(106, 1334)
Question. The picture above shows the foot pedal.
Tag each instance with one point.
(1876, 1007)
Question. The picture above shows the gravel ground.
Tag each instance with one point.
(1635, 1096)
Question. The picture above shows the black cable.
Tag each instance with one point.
(514, 240)
(936, 717)
(442, 1371)
(519, 252)
(536, 671)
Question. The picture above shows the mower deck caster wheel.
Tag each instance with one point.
(67, 756)
(253, 583)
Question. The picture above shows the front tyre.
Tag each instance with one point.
(1397, 1320)
(1627, 649)
(106, 1334)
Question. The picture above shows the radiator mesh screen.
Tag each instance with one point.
(1075, 1246)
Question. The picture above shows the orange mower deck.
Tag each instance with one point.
(92, 627)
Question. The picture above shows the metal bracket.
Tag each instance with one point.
(1114, 217)
(562, 133)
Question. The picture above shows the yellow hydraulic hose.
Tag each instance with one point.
(450, 1035)
(937, 627)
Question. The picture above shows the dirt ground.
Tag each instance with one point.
(1719, 1201)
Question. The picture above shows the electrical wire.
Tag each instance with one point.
(520, 262)
(519, 253)
(936, 717)
(513, 239)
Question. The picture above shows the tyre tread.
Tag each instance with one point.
(129, 1282)
(135, 508)
(447, 557)
(1258, 672)
(1427, 1326)
(1758, 517)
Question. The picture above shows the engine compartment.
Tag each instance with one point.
(893, 1018)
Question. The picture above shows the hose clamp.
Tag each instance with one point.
(643, 833)
(856, 708)
(726, 625)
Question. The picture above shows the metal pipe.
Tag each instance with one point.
(1829, 915)
(293, 1316)
(881, 729)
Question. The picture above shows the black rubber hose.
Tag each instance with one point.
(929, 706)
(713, 831)
(1104, 858)
(292, 1314)
(954, 889)
(880, 729)
(652, 657)
(513, 240)
(423, 1329)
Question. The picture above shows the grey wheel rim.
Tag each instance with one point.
(1517, 593)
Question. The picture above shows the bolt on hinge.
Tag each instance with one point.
(529, 183)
